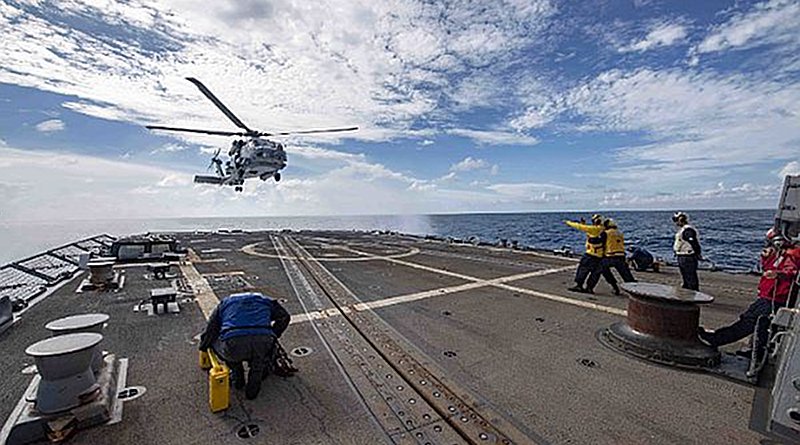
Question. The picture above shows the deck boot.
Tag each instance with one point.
(253, 386)
(237, 376)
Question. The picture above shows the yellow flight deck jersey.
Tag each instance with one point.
(595, 242)
(615, 242)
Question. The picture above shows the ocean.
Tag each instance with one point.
(731, 239)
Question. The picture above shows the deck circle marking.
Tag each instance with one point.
(248, 431)
(131, 393)
(301, 351)
(250, 249)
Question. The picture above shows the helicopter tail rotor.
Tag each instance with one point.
(216, 162)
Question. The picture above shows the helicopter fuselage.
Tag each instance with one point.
(254, 158)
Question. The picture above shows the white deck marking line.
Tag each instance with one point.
(399, 299)
(552, 297)
(567, 300)
(122, 380)
(17, 410)
(205, 296)
(223, 274)
(250, 250)
(390, 301)
(211, 260)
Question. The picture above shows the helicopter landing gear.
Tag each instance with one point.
(277, 177)
(238, 188)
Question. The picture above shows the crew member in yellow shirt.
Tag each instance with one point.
(592, 260)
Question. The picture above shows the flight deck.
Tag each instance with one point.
(398, 339)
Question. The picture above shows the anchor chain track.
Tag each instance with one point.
(409, 396)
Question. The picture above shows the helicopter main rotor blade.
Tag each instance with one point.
(219, 104)
(324, 130)
(193, 130)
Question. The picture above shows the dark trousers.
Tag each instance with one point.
(605, 272)
(257, 350)
(745, 325)
(621, 266)
(687, 264)
(588, 265)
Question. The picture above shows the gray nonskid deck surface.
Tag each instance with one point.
(534, 359)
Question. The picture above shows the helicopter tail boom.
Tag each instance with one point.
(202, 179)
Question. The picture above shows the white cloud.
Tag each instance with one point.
(318, 153)
(718, 196)
(426, 142)
(769, 22)
(50, 126)
(542, 102)
(532, 193)
(468, 164)
(495, 137)
(790, 169)
(278, 66)
(528, 188)
(175, 180)
(450, 176)
(700, 124)
(46, 185)
(170, 148)
(660, 35)
(532, 118)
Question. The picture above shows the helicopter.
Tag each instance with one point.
(252, 157)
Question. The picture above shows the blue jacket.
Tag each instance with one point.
(237, 315)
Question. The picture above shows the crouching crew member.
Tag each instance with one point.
(687, 250)
(641, 259)
(614, 257)
(245, 328)
(591, 261)
(780, 262)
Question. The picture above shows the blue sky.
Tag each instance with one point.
(463, 106)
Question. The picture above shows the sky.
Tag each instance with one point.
(463, 106)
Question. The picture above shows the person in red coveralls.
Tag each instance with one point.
(780, 262)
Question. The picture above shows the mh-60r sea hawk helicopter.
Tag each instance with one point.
(255, 157)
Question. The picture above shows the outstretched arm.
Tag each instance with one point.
(591, 230)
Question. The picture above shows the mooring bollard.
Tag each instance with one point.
(81, 323)
(101, 271)
(64, 363)
(662, 326)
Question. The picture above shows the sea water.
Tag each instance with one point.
(731, 239)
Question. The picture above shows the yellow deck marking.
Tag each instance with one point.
(205, 296)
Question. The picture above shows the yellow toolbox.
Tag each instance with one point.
(219, 388)
(205, 361)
